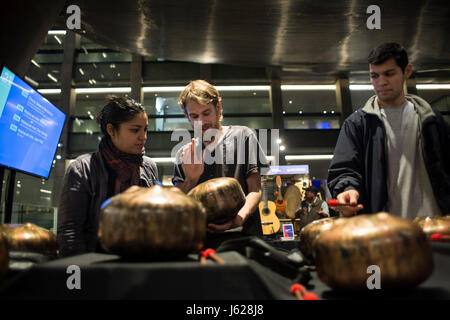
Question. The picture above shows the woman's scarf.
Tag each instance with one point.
(126, 166)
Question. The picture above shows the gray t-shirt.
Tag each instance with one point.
(409, 189)
(238, 154)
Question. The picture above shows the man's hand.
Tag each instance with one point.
(236, 222)
(193, 164)
(251, 204)
(322, 213)
(349, 197)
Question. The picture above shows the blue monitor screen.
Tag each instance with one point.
(30, 127)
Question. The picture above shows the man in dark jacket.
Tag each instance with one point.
(312, 208)
(392, 154)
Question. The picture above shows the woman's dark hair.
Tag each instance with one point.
(387, 51)
(117, 111)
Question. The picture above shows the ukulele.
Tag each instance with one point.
(280, 203)
(269, 220)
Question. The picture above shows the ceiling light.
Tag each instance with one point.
(49, 91)
(282, 148)
(34, 83)
(433, 86)
(243, 88)
(163, 89)
(35, 63)
(361, 87)
(103, 90)
(308, 87)
(56, 32)
(81, 71)
(57, 39)
(310, 157)
(163, 160)
(52, 77)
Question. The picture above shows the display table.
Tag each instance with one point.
(105, 276)
(256, 271)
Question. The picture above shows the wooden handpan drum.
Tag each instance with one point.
(221, 197)
(293, 197)
(434, 225)
(152, 223)
(30, 237)
(310, 233)
(397, 246)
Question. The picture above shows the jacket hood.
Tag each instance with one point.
(422, 107)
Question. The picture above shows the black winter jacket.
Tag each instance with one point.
(359, 160)
(85, 189)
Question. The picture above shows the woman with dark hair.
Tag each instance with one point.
(94, 177)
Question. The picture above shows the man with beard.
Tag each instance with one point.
(312, 208)
(227, 151)
(392, 154)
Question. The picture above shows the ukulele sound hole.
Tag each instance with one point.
(266, 211)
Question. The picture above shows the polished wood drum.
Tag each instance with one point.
(152, 223)
(434, 225)
(293, 197)
(221, 197)
(398, 247)
(30, 237)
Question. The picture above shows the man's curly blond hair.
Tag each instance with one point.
(201, 92)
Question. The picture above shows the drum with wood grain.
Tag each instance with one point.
(293, 197)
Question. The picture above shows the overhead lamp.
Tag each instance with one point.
(35, 63)
(103, 90)
(56, 32)
(243, 88)
(431, 86)
(49, 91)
(52, 77)
(34, 83)
(164, 160)
(163, 89)
(309, 157)
(301, 87)
(360, 87)
(57, 39)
